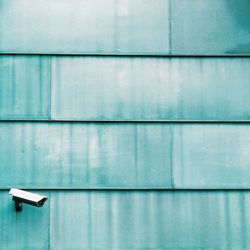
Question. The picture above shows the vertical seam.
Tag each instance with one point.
(50, 87)
(136, 155)
(171, 156)
(243, 220)
(49, 227)
(170, 27)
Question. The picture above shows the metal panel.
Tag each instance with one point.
(110, 88)
(91, 155)
(85, 26)
(210, 27)
(148, 220)
(28, 230)
(125, 88)
(211, 88)
(24, 87)
(211, 155)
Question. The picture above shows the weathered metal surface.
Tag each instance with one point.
(26, 230)
(138, 88)
(149, 220)
(85, 26)
(128, 220)
(91, 155)
(210, 27)
(117, 88)
(110, 88)
(24, 87)
(211, 89)
(211, 156)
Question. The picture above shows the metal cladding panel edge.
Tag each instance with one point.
(124, 88)
(149, 220)
(128, 220)
(211, 156)
(84, 155)
(24, 87)
(139, 88)
(85, 26)
(124, 155)
(210, 27)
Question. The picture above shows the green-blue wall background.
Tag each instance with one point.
(132, 116)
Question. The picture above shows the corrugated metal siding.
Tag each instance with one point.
(209, 27)
(138, 88)
(56, 155)
(89, 26)
(24, 87)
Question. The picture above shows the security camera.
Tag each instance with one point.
(20, 196)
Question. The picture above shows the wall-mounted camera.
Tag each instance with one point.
(20, 196)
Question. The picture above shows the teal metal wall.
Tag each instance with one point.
(132, 116)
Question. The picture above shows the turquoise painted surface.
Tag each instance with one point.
(28, 230)
(211, 89)
(207, 27)
(86, 155)
(124, 88)
(211, 156)
(149, 220)
(61, 26)
(125, 27)
(110, 88)
(101, 155)
(138, 88)
(128, 220)
(24, 87)
(124, 155)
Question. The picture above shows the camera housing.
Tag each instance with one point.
(20, 196)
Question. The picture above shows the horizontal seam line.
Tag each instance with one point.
(126, 121)
(136, 189)
(125, 55)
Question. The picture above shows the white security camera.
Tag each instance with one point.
(19, 196)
